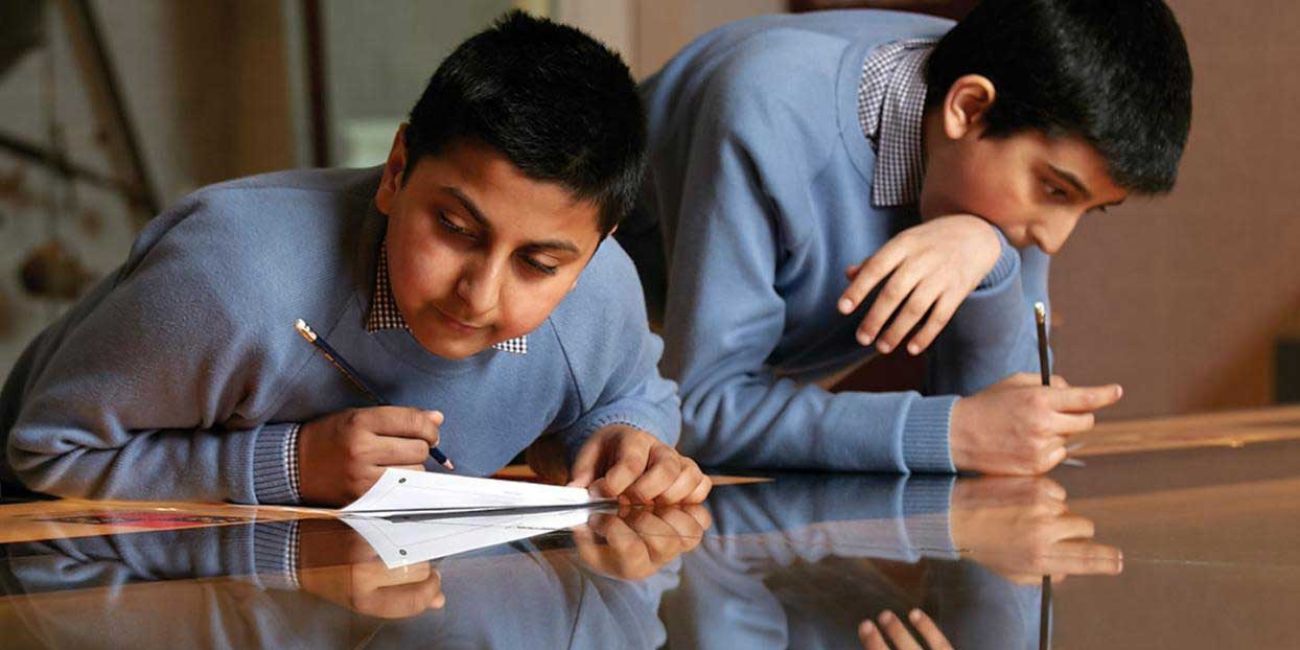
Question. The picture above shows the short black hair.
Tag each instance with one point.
(558, 104)
(1115, 72)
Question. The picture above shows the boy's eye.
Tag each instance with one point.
(539, 266)
(453, 227)
(1055, 192)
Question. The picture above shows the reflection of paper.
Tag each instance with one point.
(399, 543)
(401, 491)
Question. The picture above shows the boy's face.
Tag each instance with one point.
(1033, 187)
(479, 253)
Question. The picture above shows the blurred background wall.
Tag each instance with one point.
(1182, 299)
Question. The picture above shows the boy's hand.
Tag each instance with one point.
(620, 461)
(931, 268)
(1018, 426)
(342, 455)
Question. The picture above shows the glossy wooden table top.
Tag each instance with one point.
(1178, 533)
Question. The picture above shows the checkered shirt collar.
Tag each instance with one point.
(891, 103)
(384, 314)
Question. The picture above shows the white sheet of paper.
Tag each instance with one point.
(399, 543)
(404, 491)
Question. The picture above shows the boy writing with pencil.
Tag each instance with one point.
(468, 280)
(825, 183)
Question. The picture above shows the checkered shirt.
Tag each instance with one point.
(891, 102)
(384, 314)
(290, 457)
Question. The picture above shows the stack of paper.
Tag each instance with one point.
(404, 492)
(410, 516)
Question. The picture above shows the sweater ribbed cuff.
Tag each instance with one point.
(927, 501)
(925, 435)
(275, 554)
(1008, 263)
(272, 481)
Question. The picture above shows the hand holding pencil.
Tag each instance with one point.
(1022, 424)
(340, 456)
(343, 454)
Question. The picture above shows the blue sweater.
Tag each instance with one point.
(759, 191)
(180, 375)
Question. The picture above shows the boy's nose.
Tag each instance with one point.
(480, 288)
(1052, 238)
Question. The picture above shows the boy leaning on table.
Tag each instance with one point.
(470, 279)
(823, 184)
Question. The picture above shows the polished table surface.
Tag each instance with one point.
(1177, 533)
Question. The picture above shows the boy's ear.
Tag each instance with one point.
(968, 101)
(394, 167)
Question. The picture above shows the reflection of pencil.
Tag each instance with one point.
(353, 376)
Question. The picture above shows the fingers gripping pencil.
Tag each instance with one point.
(354, 377)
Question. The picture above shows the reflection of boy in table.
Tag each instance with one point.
(802, 561)
(316, 583)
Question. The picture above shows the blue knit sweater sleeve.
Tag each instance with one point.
(152, 387)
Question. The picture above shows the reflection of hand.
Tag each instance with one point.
(338, 565)
(888, 626)
(640, 541)
(1022, 529)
